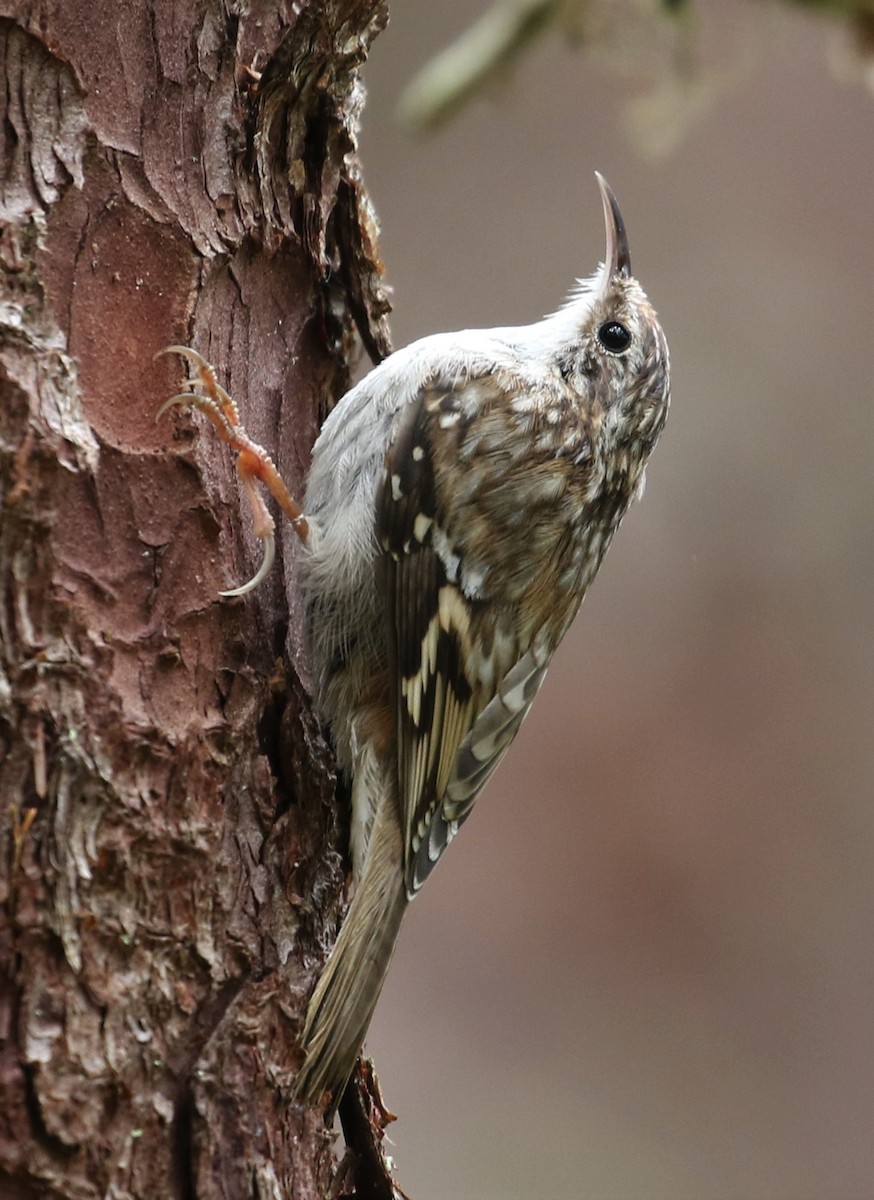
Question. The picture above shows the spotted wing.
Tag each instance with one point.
(461, 692)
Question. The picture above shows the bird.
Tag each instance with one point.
(460, 500)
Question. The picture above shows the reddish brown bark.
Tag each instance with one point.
(170, 866)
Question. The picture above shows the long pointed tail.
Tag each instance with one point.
(343, 1002)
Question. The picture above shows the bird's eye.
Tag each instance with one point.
(614, 336)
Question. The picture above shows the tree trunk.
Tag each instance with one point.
(171, 857)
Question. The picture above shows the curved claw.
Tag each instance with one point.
(186, 352)
(254, 465)
(262, 572)
(181, 399)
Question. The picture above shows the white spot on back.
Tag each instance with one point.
(421, 525)
(446, 553)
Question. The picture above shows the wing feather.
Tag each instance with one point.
(456, 711)
(490, 735)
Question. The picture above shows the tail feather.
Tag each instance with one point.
(342, 1005)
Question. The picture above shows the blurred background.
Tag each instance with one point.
(646, 968)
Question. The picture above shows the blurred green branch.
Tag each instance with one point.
(510, 28)
(492, 45)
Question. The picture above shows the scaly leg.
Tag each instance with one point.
(253, 463)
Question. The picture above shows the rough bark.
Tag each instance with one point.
(170, 851)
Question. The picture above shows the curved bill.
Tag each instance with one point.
(618, 257)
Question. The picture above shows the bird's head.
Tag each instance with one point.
(610, 345)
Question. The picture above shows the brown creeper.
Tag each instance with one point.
(459, 503)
